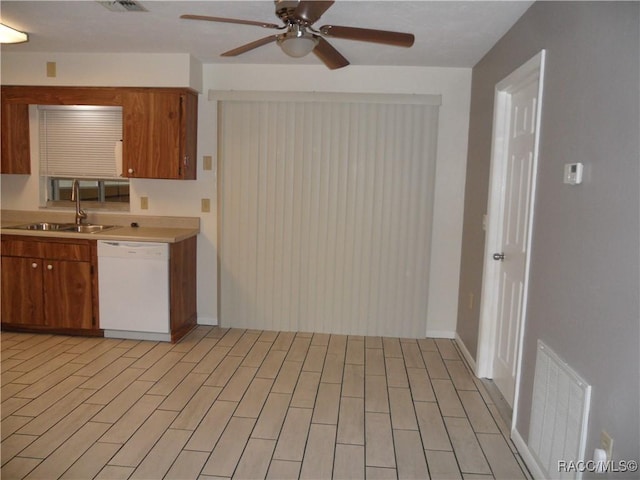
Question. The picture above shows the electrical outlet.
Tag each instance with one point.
(206, 205)
(207, 162)
(144, 203)
(471, 299)
(606, 443)
(51, 69)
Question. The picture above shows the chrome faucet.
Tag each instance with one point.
(75, 197)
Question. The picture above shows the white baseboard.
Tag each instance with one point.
(440, 334)
(465, 352)
(202, 320)
(527, 456)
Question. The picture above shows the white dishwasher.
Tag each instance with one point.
(133, 288)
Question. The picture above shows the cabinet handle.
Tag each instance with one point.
(34, 265)
(49, 267)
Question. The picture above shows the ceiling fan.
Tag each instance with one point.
(300, 38)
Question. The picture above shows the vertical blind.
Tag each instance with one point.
(325, 214)
(79, 142)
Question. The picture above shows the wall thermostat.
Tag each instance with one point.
(573, 173)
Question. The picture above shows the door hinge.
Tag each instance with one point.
(91, 270)
(93, 321)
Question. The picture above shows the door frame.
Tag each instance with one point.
(499, 146)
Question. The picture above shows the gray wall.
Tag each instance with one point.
(585, 271)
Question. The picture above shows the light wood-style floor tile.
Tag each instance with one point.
(403, 415)
(477, 412)
(188, 465)
(465, 445)
(141, 442)
(318, 457)
(92, 461)
(353, 381)
(410, 457)
(191, 415)
(420, 384)
(443, 465)
(376, 396)
(272, 416)
(447, 397)
(431, 423)
(211, 427)
(283, 470)
(293, 436)
(256, 458)
(227, 452)
(159, 460)
(254, 399)
(62, 458)
(328, 404)
(229, 403)
(304, 396)
(126, 426)
(501, 460)
(351, 421)
(348, 462)
(435, 365)
(379, 449)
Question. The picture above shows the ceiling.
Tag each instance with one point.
(448, 33)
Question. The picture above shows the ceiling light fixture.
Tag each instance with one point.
(11, 35)
(297, 42)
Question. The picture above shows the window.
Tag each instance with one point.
(84, 143)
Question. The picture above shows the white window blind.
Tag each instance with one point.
(80, 142)
(326, 212)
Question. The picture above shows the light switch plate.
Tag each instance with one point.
(206, 205)
(207, 162)
(144, 203)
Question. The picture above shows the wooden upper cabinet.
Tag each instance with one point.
(160, 134)
(14, 132)
(159, 126)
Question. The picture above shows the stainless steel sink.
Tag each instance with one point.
(65, 227)
(88, 228)
(45, 226)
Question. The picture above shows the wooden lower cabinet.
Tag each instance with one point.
(182, 287)
(52, 285)
(49, 285)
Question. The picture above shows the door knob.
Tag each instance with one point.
(498, 256)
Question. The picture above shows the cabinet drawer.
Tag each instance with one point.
(54, 249)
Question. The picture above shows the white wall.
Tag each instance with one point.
(182, 198)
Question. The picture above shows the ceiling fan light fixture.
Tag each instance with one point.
(11, 35)
(297, 42)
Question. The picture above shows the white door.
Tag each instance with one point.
(516, 126)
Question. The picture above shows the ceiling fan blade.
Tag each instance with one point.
(250, 46)
(331, 57)
(230, 20)
(311, 10)
(369, 35)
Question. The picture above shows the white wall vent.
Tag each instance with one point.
(559, 415)
(123, 6)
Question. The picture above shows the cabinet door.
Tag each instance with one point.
(14, 139)
(22, 298)
(189, 136)
(152, 135)
(67, 294)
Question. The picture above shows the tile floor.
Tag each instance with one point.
(229, 403)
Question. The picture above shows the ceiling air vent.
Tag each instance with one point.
(123, 6)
